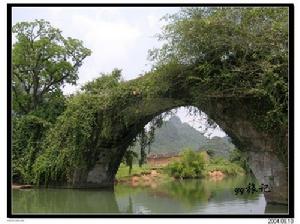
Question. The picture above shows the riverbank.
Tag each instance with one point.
(154, 177)
(188, 165)
(21, 186)
(149, 175)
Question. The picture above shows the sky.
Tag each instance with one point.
(119, 37)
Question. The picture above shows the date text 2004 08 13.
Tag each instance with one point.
(280, 221)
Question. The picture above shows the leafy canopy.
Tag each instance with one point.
(232, 52)
(43, 61)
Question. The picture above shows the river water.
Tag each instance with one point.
(201, 196)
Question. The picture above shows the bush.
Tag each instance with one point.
(198, 164)
(191, 165)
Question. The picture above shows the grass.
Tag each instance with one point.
(123, 175)
(123, 170)
(225, 166)
(229, 170)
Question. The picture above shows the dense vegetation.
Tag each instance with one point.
(191, 165)
(43, 61)
(233, 51)
(224, 52)
(199, 164)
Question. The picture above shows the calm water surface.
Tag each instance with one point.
(186, 196)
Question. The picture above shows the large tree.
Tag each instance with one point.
(43, 61)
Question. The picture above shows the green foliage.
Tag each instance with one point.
(53, 105)
(237, 157)
(43, 61)
(145, 140)
(235, 52)
(191, 165)
(135, 170)
(198, 164)
(225, 166)
(190, 191)
(91, 119)
(128, 159)
(71, 143)
(28, 134)
(104, 83)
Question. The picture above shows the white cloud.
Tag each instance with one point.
(55, 10)
(153, 21)
(106, 36)
(109, 40)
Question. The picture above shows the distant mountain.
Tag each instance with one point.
(221, 146)
(174, 136)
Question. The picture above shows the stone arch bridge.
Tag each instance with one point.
(154, 93)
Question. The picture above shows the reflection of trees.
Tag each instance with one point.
(64, 201)
(124, 190)
(181, 196)
(191, 192)
(130, 207)
(203, 190)
(249, 195)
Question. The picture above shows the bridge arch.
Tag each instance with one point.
(113, 124)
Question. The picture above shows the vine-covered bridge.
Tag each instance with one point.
(89, 140)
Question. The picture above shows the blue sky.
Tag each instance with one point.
(119, 37)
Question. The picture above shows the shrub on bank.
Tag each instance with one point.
(191, 165)
(198, 164)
